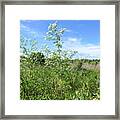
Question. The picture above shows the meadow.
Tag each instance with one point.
(55, 75)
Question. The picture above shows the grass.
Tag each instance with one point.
(46, 82)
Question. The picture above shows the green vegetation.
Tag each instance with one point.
(54, 75)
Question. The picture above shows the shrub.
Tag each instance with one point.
(37, 58)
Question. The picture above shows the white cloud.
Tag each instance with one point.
(23, 27)
(29, 31)
(68, 30)
(72, 39)
(89, 51)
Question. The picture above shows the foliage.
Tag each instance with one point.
(37, 58)
(54, 75)
(55, 35)
(47, 83)
(27, 45)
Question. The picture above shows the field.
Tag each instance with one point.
(55, 74)
(70, 81)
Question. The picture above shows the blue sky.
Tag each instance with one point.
(81, 35)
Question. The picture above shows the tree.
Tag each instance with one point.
(55, 34)
(27, 45)
(37, 58)
(60, 57)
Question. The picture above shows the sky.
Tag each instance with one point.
(82, 36)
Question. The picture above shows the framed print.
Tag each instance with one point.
(59, 59)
